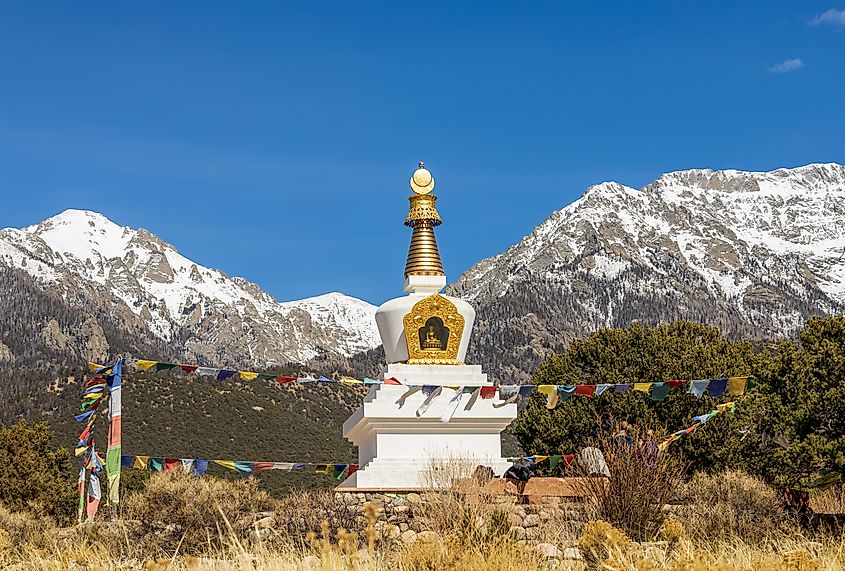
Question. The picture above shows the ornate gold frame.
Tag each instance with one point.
(433, 306)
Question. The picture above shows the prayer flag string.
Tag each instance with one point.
(198, 467)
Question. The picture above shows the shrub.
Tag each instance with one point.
(732, 505)
(33, 475)
(601, 541)
(177, 509)
(641, 483)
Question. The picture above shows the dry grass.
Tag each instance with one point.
(733, 505)
(831, 501)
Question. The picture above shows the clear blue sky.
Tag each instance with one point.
(275, 140)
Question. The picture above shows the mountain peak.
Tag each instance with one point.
(147, 283)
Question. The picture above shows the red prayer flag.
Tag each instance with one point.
(352, 469)
(172, 464)
(488, 392)
(260, 467)
(285, 379)
(569, 459)
(391, 381)
(675, 384)
(585, 390)
(188, 369)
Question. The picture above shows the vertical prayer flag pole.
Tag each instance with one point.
(114, 443)
(83, 476)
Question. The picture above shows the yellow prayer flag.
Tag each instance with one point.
(643, 387)
(550, 391)
(725, 406)
(736, 385)
(247, 376)
(95, 366)
(143, 364)
(350, 381)
(228, 464)
(540, 458)
(140, 462)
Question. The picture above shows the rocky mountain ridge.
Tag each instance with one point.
(755, 253)
(154, 291)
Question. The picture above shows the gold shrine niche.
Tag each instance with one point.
(433, 331)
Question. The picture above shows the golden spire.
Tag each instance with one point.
(423, 255)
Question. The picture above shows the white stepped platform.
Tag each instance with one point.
(399, 450)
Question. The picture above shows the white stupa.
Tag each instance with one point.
(436, 419)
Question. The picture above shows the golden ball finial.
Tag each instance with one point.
(421, 181)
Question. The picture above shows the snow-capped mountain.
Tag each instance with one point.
(199, 312)
(755, 253)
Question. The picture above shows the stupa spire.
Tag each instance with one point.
(423, 254)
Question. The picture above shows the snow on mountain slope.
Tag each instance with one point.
(213, 316)
(756, 253)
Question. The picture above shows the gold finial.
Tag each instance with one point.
(423, 255)
(421, 181)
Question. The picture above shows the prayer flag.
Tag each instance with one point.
(622, 387)
(554, 460)
(228, 464)
(155, 464)
(94, 496)
(261, 467)
(697, 388)
(187, 465)
(600, 389)
(247, 375)
(736, 385)
(717, 387)
(642, 387)
(244, 467)
(585, 390)
(488, 392)
(200, 466)
(164, 366)
(113, 460)
(565, 391)
(352, 469)
(141, 462)
(526, 390)
(188, 369)
(80, 486)
(550, 392)
(266, 377)
(285, 379)
(207, 371)
(659, 391)
(225, 374)
(391, 381)
(171, 464)
(127, 461)
(143, 364)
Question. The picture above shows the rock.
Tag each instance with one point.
(532, 532)
(401, 509)
(519, 510)
(409, 536)
(403, 527)
(547, 550)
(572, 553)
(514, 519)
(413, 498)
(392, 532)
(545, 515)
(311, 562)
(518, 532)
(531, 520)
(265, 522)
